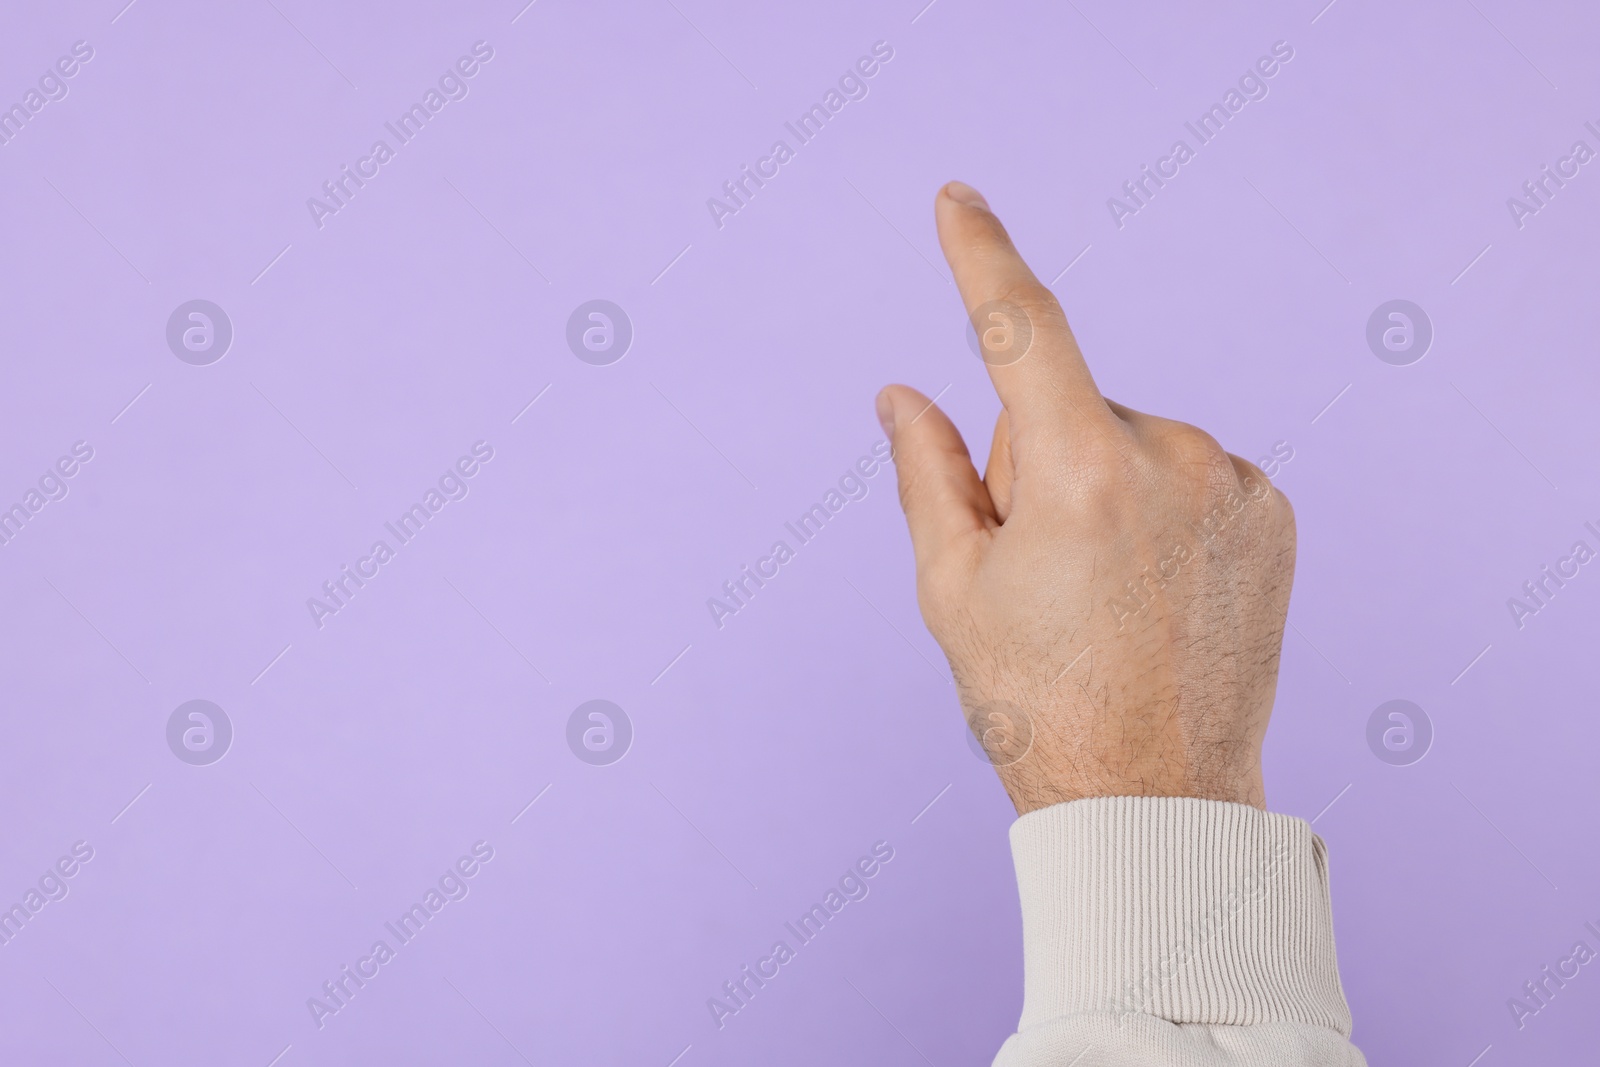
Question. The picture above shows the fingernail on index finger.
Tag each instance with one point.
(962, 193)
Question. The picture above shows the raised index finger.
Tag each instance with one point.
(1033, 359)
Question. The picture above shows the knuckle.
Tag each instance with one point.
(1191, 446)
(1285, 505)
(1251, 476)
(1255, 483)
(1283, 511)
(1195, 468)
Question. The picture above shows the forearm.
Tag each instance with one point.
(1175, 931)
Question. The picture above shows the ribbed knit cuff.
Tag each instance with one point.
(1194, 911)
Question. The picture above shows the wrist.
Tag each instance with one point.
(1056, 757)
(1030, 792)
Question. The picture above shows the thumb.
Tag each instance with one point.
(944, 499)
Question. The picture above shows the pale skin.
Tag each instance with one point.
(1111, 593)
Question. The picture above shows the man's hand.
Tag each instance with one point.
(1112, 593)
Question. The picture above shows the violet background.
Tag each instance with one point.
(775, 751)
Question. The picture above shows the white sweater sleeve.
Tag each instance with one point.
(1187, 932)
